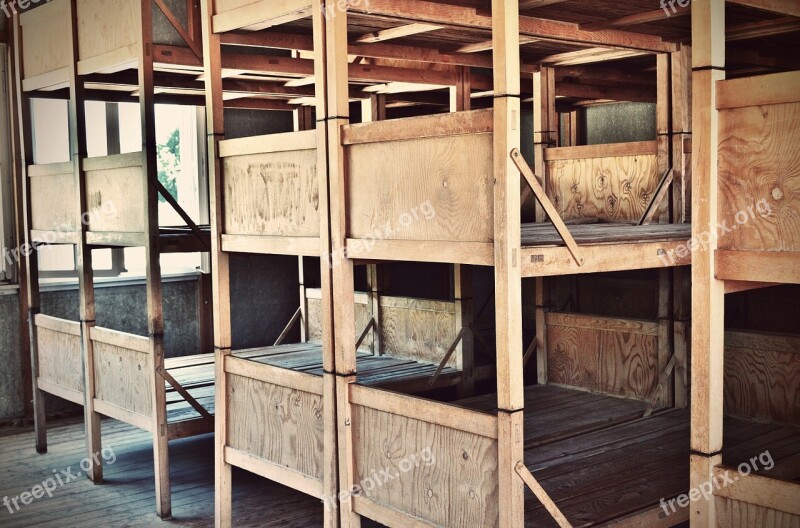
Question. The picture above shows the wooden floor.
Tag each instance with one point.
(545, 234)
(127, 498)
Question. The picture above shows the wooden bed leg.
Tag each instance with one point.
(160, 431)
(347, 475)
(223, 488)
(39, 409)
(462, 293)
(511, 441)
(330, 484)
(94, 441)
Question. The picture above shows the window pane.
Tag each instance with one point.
(56, 258)
(96, 144)
(101, 259)
(176, 134)
(50, 131)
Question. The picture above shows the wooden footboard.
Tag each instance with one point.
(608, 355)
(271, 194)
(759, 178)
(58, 349)
(53, 198)
(115, 187)
(754, 500)
(46, 57)
(122, 376)
(419, 462)
(109, 35)
(417, 181)
(276, 424)
(252, 15)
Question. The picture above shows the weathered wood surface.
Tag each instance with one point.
(44, 34)
(546, 234)
(115, 193)
(108, 34)
(59, 349)
(53, 197)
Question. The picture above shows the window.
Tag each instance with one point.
(115, 128)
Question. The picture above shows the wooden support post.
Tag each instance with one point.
(337, 114)
(220, 262)
(301, 274)
(78, 152)
(663, 129)
(544, 136)
(708, 293)
(507, 275)
(665, 344)
(28, 263)
(155, 309)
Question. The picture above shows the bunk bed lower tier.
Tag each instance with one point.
(604, 247)
(123, 377)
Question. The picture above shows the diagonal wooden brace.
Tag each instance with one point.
(184, 393)
(365, 333)
(541, 494)
(662, 380)
(289, 326)
(548, 206)
(178, 209)
(173, 20)
(658, 197)
(446, 357)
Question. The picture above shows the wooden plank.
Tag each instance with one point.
(608, 150)
(632, 326)
(773, 89)
(635, 19)
(106, 27)
(476, 253)
(56, 324)
(43, 49)
(122, 379)
(124, 415)
(274, 472)
(55, 389)
(418, 329)
(373, 510)
(541, 495)
(758, 266)
(784, 7)
(268, 144)
(771, 493)
(452, 124)
(120, 339)
(427, 411)
(397, 32)
(277, 245)
(59, 355)
(273, 375)
(254, 15)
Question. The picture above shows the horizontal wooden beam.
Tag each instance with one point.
(654, 15)
(763, 28)
(784, 7)
(584, 91)
(532, 4)
(472, 17)
(588, 56)
(776, 88)
(758, 266)
(397, 32)
(780, 495)
(732, 286)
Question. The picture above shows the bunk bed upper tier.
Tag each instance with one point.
(422, 189)
(54, 203)
(253, 15)
(109, 36)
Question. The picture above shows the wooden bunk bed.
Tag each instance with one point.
(58, 48)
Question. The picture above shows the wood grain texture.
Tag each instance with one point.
(436, 188)
(53, 200)
(761, 377)
(122, 378)
(759, 164)
(277, 424)
(60, 355)
(613, 189)
(362, 318)
(116, 198)
(600, 357)
(733, 513)
(272, 194)
(44, 33)
(458, 489)
(105, 26)
(419, 329)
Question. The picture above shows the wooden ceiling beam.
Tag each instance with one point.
(646, 17)
(783, 7)
(486, 45)
(605, 73)
(588, 56)
(471, 17)
(764, 28)
(397, 32)
(590, 92)
(533, 4)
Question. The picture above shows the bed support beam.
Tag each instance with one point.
(550, 505)
(288, 328)
(664, 185)
(184, 393)
(447, 356)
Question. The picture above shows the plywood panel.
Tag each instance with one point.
(272, 194)
(613, 189)
(733, 513)
(122, 377)
(418, 329)
(278, 424)
(612, 356)
(759, 178)
(314, 315)
(762, 377)
(45, 34)
(444, 476)
(433, 188)
(60, 357)
(106, 26)
(54, 199)
(116, 196)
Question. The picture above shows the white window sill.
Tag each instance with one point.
(128, 279)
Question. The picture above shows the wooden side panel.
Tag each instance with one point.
(60, 355)
(759, 178)
(45, 32)
(115, 199)
(314, 315)
(272, 194)
(432, 188)
(762, 376)
(53, 203)
(106, 26)
(277, 424)
(418, 329)
(613, 356)
(614, 189)
(439, 474)
(732, 513)
(122, 378)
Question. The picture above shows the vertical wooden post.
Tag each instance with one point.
(507, 275)
(681, 129)
(708, 293)
(28, 262)
(544, 136)
(155, 311)
(215, 128)
(77, 124)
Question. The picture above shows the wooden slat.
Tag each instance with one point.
(123, 415)
(425, 410)
(776, 88)
(373, 510)
(758, 266)
(285, 142)
(771, 493)
(784, 7)
(120, 339)
(58, 325)
(259, 14)
(637, 148)
(55, 389)
(274, 472)
(115, 161)
(476, 253)
(458, 123)
(50, 169)
(633, 326)
(275, 375)
(397, 32)
(299, 246)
